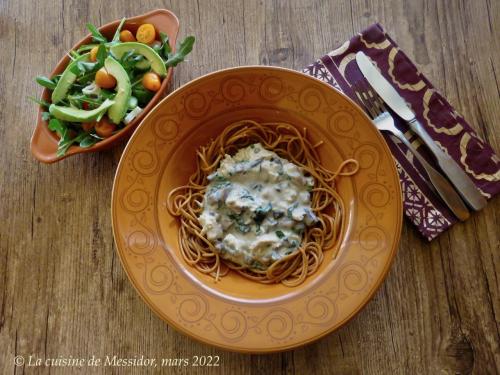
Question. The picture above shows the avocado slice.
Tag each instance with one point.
(117, 111)
(157, 64)
(67, 79)
(80, 115)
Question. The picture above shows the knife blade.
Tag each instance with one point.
(464, 185)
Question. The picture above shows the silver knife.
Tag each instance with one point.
(455, 173)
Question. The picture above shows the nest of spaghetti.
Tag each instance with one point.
(186, 203)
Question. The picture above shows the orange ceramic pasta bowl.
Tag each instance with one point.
(237, 313)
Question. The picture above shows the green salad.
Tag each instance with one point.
(107, 83)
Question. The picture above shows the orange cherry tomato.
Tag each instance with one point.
(146, 33)
(127, 36)
(93, 53)
(151, 81)
(104, 80)
(104, 128)
(87, 126)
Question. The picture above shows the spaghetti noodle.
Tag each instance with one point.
(186, 203)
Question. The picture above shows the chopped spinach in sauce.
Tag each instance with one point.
(257, 207)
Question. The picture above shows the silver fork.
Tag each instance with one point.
(385, 122)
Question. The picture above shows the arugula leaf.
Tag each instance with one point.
(86, 47)
(65, 142)
(280, 234)
(45, 82)
(96, 34)
(165, 46)
(74, 54)
(106, 94)
(116, 37)
(126, 56)
(86, 78)
(57, 126)
(88, 141)
(185, 48)
(129, 60)
(85, 66)
(75, 69)
(101, 55)
(143, 68)
(157, 48)
(85, 71)
(143, 95)
(63, 146)
(78, 99)
(163, 37)
(40, 102)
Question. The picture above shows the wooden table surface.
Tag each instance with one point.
(63, 290)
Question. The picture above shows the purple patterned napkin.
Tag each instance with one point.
(422, 207)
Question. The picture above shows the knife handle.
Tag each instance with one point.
(455, 173)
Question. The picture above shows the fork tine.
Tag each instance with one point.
(373, 102)
(359, 96)
(369, 98)
(380, 104)
(363, 98)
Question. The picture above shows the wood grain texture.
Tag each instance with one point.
(62, 289)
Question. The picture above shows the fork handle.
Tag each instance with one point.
(445, 190)
(455, 173)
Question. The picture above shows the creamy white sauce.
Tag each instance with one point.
(256, 207)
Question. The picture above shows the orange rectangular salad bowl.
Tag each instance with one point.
(44, 142)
